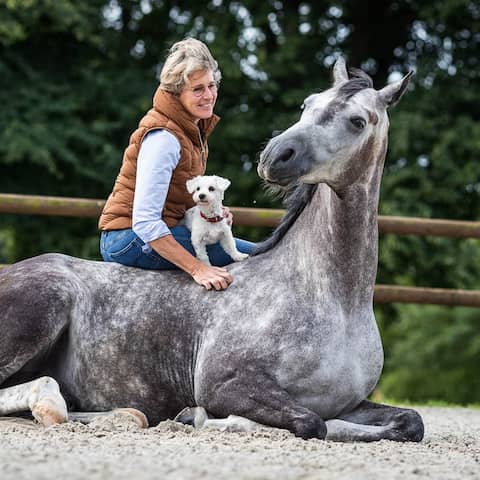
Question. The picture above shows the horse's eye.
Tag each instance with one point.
(211, 189)
(358, 122)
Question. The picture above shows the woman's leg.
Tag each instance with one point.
(220, 258)
(125, 247)
(216, 253)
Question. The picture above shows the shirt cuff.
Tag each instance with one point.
(149, 231)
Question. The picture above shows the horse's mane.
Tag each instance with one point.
(297, 197)
(359, 80)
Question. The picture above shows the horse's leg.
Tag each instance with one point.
(42, 397)
(373, 421)
(198, 417)
(35, 312)
(87, 417)
(262, 400)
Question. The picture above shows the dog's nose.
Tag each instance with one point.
(201, 196)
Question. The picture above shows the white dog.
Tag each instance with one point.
(208, 219)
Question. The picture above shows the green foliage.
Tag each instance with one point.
(432, 354)
(75, 78)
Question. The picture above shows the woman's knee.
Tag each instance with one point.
(244, 246)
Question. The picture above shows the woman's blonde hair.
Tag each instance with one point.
(184, 58)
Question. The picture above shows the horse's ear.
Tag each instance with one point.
(391, 94)
(340, 74)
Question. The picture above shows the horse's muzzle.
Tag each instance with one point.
(282, 162)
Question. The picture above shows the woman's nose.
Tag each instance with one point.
(208, 94)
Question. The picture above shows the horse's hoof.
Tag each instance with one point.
(310, 427)
(48, 412)
(140, 417)
(195, 416)
(408, 427)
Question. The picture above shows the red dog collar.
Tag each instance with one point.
(217, 218)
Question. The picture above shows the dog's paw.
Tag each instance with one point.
(240, 256)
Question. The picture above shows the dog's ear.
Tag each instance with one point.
(192, 184)
(222, 183)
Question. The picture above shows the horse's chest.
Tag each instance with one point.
(335, 376)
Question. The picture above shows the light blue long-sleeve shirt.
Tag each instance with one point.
(157, 159)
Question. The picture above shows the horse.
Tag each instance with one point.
(292, 343)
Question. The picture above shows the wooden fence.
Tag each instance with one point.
(258, 217)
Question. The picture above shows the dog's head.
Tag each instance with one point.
(207, 189)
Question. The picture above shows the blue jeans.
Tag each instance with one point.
(125, 247)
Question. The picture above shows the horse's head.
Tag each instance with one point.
(338, 132)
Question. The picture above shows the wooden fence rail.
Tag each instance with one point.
(262, 217)
(252, 217)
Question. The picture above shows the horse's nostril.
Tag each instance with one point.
(286, 155)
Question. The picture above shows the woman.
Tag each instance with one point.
(139, 222)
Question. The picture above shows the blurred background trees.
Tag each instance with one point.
(75, 78)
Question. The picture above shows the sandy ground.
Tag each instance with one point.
(117, 448)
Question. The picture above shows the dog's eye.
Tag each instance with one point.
(211, 189)
(198, 188)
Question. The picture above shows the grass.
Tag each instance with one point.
(428, 403)
(378, 397)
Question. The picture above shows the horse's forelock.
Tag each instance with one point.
(358, 81)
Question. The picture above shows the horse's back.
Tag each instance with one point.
(30, 281)
(42, 267)
(53, 266)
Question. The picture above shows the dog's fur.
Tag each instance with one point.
(207, 192)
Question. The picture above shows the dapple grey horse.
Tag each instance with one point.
(292, 343)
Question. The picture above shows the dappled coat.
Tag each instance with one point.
(169, 114)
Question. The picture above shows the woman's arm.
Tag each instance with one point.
(158, 157)
(169, 248)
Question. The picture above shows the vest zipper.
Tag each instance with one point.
(202, 151)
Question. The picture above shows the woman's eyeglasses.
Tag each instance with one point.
(199, 90)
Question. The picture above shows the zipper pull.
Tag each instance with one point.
(202, 145)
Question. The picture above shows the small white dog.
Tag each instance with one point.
(208, 219)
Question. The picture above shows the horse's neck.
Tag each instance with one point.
(335, 240)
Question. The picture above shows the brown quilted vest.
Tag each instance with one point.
(168, 114)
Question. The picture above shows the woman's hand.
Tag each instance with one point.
(207, 276)
(229, 216)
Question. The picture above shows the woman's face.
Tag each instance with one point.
(199, 94)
